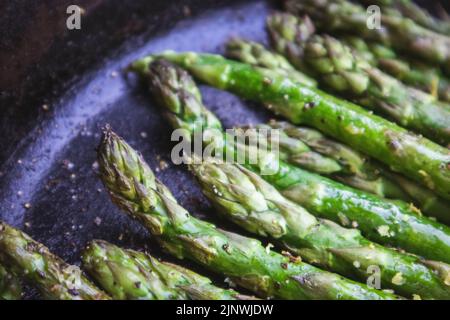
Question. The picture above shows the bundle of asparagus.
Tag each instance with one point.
(10, 286)
(396, 31)
(409, 9)
(253, 204)
(346, 73)
(132, 275)
(342, 192)
(410, 71)
(246, 199)
(379, 220)
(134, 188)
(414, 156)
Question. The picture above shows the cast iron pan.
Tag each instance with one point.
(58, 88)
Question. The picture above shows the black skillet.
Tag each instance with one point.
(58, 87)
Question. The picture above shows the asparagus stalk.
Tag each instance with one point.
(10, 286)
(378, 219)
(133, 187)
(32, 261)
(255, 54)
(398, 32)
(346, 73)
(416, 157)
(408, 8)
(411, 72)
(246, 199)
(132, 275)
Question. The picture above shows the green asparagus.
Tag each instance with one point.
(32, 261)
(408, 8)
(412, 72)
(253, 204)
(378, 219)
(416, 157)
(134, 188)
(132, 275)
(338, 68)
(10, 286)
(398, 32)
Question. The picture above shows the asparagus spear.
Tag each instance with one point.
(416, 157)
(246, 199)
(396, 31)
(132, 275)
(10, 286)
(245, 261)
(408, 8)
(412, 72)
(360, 172)
(377, 218)
(346, 73)
(255, 54)
(32, 261)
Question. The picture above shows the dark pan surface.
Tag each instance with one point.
(53, 169)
